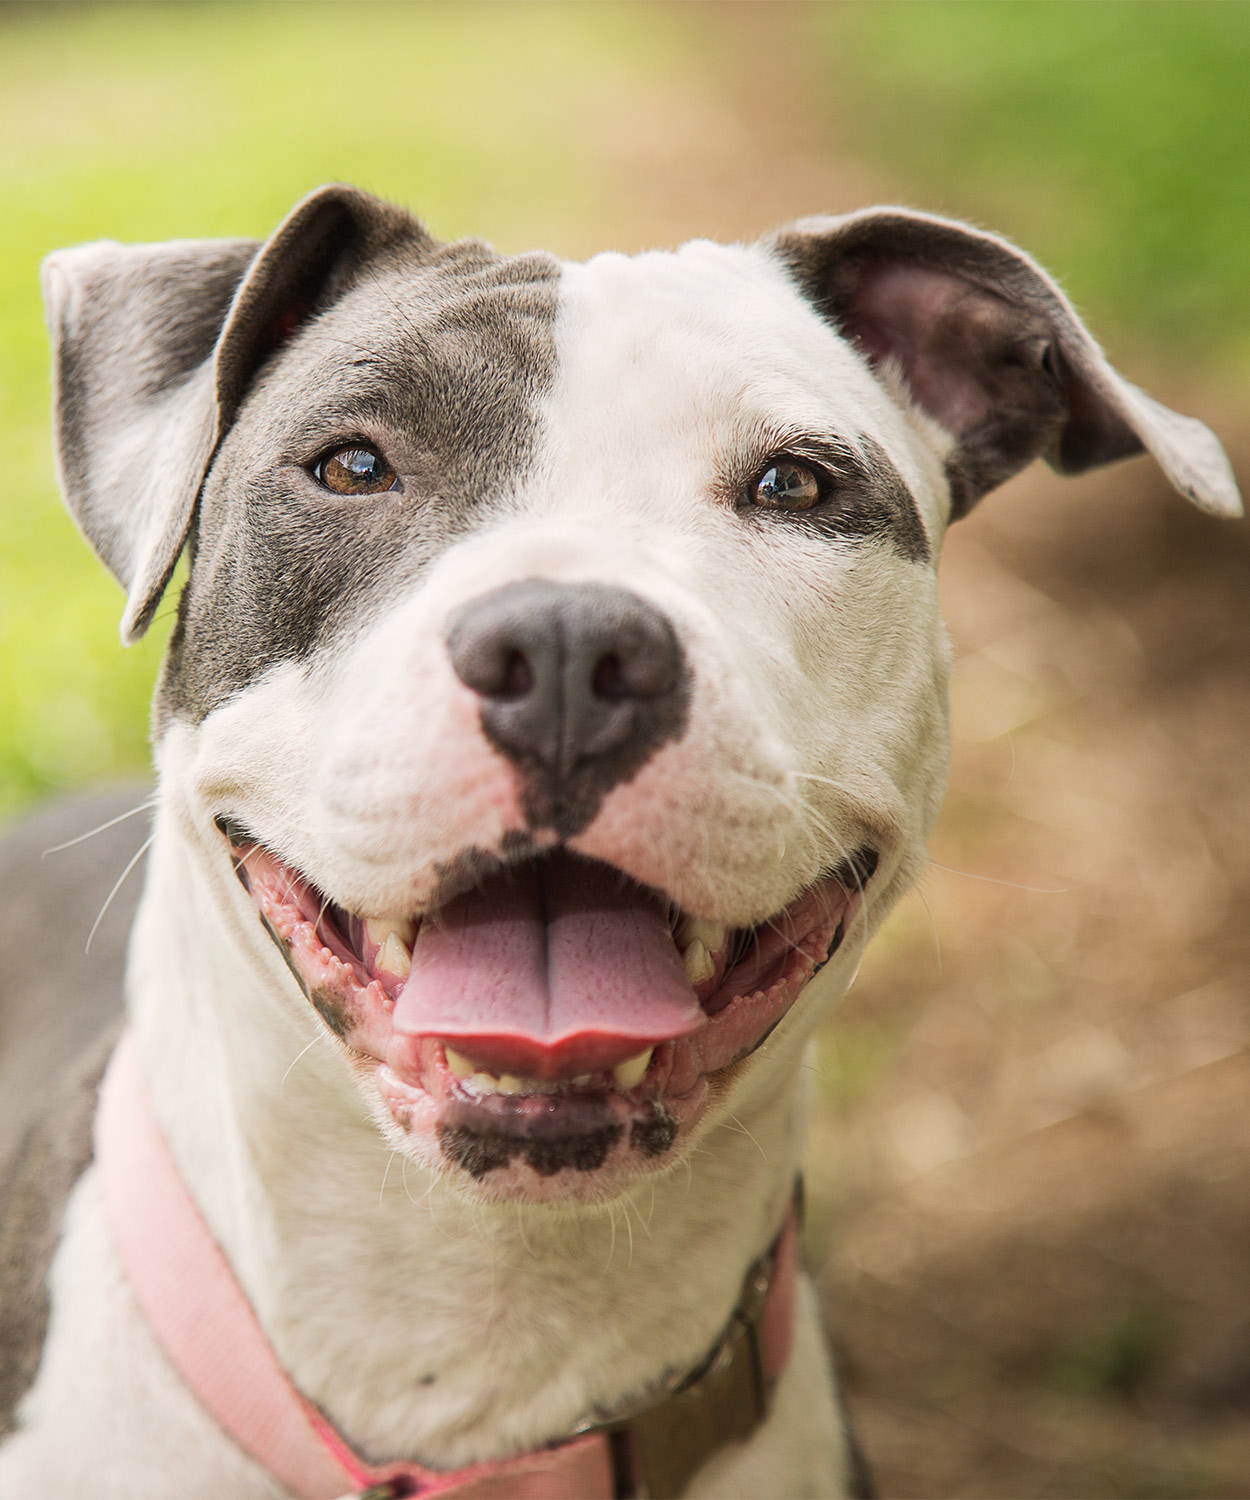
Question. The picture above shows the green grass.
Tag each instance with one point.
(1113, 140)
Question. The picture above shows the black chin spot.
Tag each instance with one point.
(478, 1154)
(654, 1134)
(582, 1153)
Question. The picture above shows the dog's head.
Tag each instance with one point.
(559, 667)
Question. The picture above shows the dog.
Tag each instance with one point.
(555, 707)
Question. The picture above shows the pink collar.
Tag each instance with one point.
(219, 1348)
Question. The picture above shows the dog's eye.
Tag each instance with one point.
(785, 485)
(355, 471)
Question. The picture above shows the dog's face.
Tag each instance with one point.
(560, 668)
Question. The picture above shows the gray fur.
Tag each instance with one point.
(870, 498)
(153, 348)
(51, 1158)
(435, 353)
(59, 1011)
(132, 327)
(54, 997)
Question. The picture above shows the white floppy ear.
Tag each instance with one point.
(989, 347)
(153, 348)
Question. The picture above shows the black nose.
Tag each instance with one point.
(580, 684)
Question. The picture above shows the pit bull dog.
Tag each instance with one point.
(557, 690)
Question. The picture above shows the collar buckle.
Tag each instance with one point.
(658, 1447)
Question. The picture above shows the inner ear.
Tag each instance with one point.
(986, 370)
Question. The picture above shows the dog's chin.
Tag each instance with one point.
(583, 1146)
(607, 1076)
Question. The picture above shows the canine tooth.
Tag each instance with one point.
(632, 1071)
(393, 956)
(380, 928)
(458, 1063)
(698, 962)
(696, 929)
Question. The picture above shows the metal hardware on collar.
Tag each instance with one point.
(659, 1447)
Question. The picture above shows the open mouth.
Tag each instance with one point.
(555, 1013)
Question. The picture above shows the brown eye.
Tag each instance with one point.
(785, 486)
(355, 471)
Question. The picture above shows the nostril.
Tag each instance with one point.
(516, 680)
(609, 681)
(493, 668)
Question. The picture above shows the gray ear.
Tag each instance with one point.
(989, 347)
(154, 346)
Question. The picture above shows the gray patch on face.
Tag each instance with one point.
(868, 498)
(435, 355)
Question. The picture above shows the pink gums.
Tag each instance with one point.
(736, 1009)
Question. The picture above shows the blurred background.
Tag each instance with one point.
(1030, 1179)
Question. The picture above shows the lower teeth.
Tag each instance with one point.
(625, 1077)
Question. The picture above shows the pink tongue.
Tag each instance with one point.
(558, 967)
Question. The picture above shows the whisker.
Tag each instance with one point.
(1037, 890)
(520, 1224)
(144, 806)
(385, 1174)
(744, 1131)
(937, 941)
(612, 1242)
(117, 885)
(287, 1074)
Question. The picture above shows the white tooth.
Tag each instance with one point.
(379, 929)
(458, 1063)
(393, 956)
(509, 1084)
(632, 1071)
(482, 1083)
(582, 1079)
(714, 936)
(698, 962)
(695, 929)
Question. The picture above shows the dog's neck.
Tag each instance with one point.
(427, 1326)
